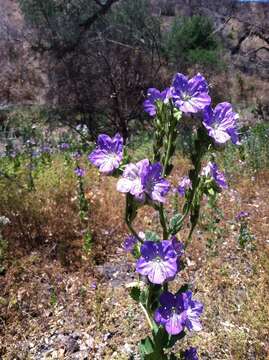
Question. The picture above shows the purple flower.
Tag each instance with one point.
(184, 185)
(191, 354)
(143, 179)
(177, 312)
(108, 154)
(64, 146)
(45, 149)
(242, 215)
(80, 172)
(221, 123)
(194, 311)
(154, 95)
(131, 179)
(190, 96)
(212, 171)
(13, 154)
(158, 261)
(35, 153)
(177, 245)
(130, 243)
(155, 186)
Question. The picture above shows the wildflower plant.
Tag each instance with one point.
(245, 237)
(159, 257)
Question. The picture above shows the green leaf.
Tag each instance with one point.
(211, 191)
(177, 114)
(146, 346)
(151, 236)
(175, 224)
(143, 298)
(135, 293)
(173, 357)
(161, 338)
(131, 209)
(174, 338)
(154, 356)
(136, 251)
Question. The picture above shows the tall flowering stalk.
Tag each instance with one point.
(159, 258)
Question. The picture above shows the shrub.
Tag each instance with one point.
(191, 40)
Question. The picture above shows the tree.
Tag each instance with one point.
(102, 57)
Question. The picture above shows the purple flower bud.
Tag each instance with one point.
(177, 245)
(45, 149)
(154, 95)
(242, 215)
(191, 354)
(79, 172)
(64, 146)
(185, 184)
(212, 170)
(130, 243)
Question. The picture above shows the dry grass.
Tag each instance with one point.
(41, 296)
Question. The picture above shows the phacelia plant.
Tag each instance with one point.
(159, 259)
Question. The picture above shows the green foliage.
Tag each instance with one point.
(53, 297)
(3, 250)
(135, 293)
(175, 224)
(252, 154)
(88, 242)
(211, 218)
(191, 41)
(245, 238)
(151, 236)
(139, 147)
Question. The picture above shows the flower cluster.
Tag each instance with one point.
(144, 180)
(158, 261)
(212, 171)
(191, 96)
(184, 185)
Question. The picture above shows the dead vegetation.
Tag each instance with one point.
(80, 309)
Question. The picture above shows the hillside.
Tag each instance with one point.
(243, 28)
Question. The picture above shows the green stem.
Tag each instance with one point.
(129, 222)
(163, 221)
(168, 153)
